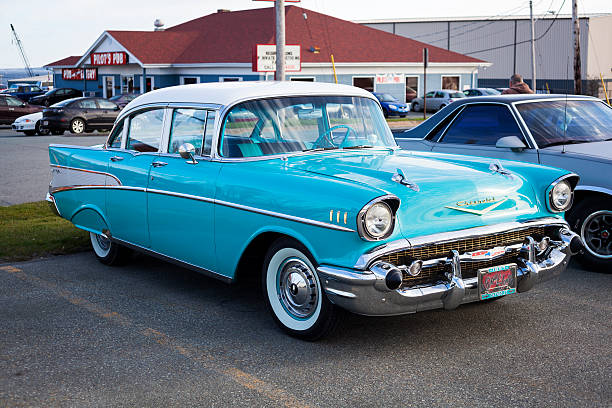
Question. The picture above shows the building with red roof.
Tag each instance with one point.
(220, 47)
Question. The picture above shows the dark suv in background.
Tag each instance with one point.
(55, 96)
(80, 115)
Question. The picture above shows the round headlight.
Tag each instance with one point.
(561, 196)
(378, 220)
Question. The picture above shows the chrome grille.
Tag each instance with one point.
(468, 269)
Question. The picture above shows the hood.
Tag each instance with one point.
(601, 151)
(452, 194)
(32, 116)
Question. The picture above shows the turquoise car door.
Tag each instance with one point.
(181, 192)
(126, 204)
(476, 129)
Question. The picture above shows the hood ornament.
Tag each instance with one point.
(400, 178)
(496, 167)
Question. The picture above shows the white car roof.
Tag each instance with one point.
(225, 93)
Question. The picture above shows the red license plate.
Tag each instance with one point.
(497, 281)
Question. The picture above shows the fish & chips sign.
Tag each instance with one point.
(76, 74)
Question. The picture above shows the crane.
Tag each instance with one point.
(22, 51)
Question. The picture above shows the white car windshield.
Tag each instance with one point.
(567, 122)
(296, 124)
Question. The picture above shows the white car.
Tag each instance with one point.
(30, 124)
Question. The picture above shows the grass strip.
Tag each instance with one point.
(31, 230)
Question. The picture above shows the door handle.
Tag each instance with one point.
(116, 158)
(159, 164)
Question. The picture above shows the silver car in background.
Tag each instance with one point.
(569, 132)
(436, 100)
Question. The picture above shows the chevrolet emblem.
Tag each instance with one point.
(461, 205)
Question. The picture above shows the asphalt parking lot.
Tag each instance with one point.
(77, 333)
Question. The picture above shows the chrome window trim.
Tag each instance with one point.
(213, 108)
(526, 139)
(406, 243)
(138, 111)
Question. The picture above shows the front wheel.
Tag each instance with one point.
(107, 251)
(41, 131)
(77, 126)
(293, 292)
(592, 220)
(415, 107)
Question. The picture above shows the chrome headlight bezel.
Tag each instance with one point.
(570, 180)
(392, 203)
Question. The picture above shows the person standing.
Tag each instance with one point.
(517, 86)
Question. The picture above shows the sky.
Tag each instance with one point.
(54, 29)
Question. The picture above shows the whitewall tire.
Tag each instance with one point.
(294, 293)
(107, 251)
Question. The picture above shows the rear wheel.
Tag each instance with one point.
(592, 220)
(293, 292)
(415, 107)
(41, 131)
(107, 251)
(77, 126)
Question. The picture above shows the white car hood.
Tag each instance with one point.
(32, 116)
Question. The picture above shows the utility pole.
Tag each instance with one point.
(533, 60)
(425, 62)
(280, 40)
(577, 63)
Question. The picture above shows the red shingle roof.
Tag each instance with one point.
(229, 37)
(65, 62)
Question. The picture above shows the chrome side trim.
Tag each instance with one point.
(182, 195)
(175, 261)
(66, 188)
(594, 189)
(87, 171)
(365, 259)
(52, 204)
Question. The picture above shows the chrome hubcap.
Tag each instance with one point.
(297, 288)
(77, 126)
(103, 242)
(596, 233)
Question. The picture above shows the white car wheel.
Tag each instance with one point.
(107, 251)
(101, 245)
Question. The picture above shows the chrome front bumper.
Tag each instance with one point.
(366, 291)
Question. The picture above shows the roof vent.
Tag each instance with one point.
(158, 25)
(224, 11)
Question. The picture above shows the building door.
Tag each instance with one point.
(450, 82)
(127, 84)
(412, 88)
(109, 86)
(366, 83)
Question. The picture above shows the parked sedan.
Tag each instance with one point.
(481, 92)
(329, 214)
(11, 108)
(391, 105)
(437, 100)
(123, 99)
(572, 132)
(30, 124)
(56, 95)
(80, 115)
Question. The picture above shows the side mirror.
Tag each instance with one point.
(24, 104)
(187, 150)
(511, 142)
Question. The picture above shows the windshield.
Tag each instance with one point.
(456, 94)
(491, 91)
(294, 124)
(553, 123)
(387, 98)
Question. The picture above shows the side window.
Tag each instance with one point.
(104, 104)
(145, 130)
(210, 132)
(430, 94)
(435, 134)
(439, 95)
(115, 138)
(188, 126)
(61, 92)
(13, 101)
(88, 104)
(482, 125)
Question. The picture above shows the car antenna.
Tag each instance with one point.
(565, 107)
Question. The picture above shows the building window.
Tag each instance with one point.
(302, 79)
(412, 88)
(127, 84)
(450, 82)
(230, 79)
(366, 83)
(189, 80)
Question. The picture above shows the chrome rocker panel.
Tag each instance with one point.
(365, 292)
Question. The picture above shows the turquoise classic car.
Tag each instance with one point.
(303, 185)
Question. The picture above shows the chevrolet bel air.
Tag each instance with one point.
(302, 184)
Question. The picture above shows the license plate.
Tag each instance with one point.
(497, 281)
(45, 123)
